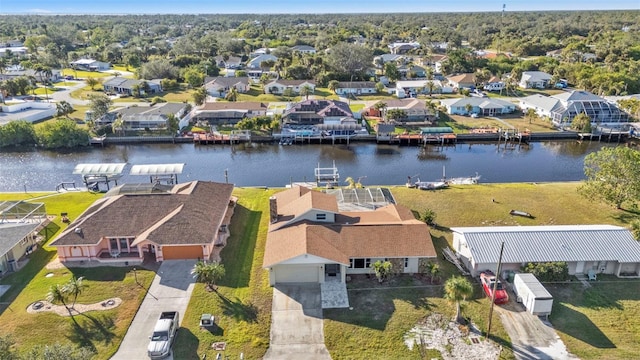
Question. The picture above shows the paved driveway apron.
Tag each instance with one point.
(170, 291)
(296, 324)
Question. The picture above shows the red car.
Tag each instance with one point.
(488, 280)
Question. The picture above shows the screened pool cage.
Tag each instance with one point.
(362, 198)
(600, 112)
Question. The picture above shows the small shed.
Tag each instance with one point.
(530, 292)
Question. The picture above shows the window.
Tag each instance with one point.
(406, 262)
(359, 263)
(124, 245)
(322, 216)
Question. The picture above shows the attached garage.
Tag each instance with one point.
(296, 273)
(182, 252)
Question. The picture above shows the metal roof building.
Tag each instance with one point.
(603, 248)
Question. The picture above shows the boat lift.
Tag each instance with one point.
(327, 176)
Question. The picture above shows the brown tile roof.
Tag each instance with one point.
(463, 78)
(341, 242)
(389, 231)
(191, 214)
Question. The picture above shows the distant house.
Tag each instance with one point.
(139, 118)
(256, 61)
(311, 239)
(410, 88)
(603, 249)
(415, 109)
(314, 112)
(120, 85)
(219, 86)
(356, 87)
(90, 65)
(229, 113)
(380, 60)
(231, 62)
(556, 54)
(535, 80)
(562, 108)
(279, 86)
(304, 49)
(261, 51)
(14, 71)
(412, 71)
(480, 106)
(21, 221)
(156, 226)
(15, 51)
(403, 47)
(462, 81)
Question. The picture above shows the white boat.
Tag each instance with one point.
(470, 180)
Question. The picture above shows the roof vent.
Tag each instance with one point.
(78, 230)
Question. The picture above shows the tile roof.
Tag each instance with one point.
(190, 214)
(463, 78)
(388, 231)
(222, 81)
(551, 243)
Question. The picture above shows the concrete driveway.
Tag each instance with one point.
(531, 337)
(170, 291)
(296, 324)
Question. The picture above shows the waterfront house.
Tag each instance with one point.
(416, 110)
(90, 65)
(562, 108)
(477, 105)
(279, 86)
(141, 118)
(602, 249)
(314, 238)
(411, 88)
(184, 221)
(228, 113)
(535, 80)
(314, 112)
(20, 223)
(219, 86)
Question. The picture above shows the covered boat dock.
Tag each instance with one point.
(158, 173)
(95, 174)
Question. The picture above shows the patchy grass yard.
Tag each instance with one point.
(242, 305)
(101, 330)
(464, 124)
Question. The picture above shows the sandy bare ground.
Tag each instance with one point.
(76, 310)
(452, 340)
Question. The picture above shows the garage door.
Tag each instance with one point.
(182, 252)
(295, 273)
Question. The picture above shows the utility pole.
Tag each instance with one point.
(501, 27)
(495, 287)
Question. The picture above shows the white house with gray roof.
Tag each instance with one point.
(124, 86)
(564, 107)
(606, 249)
(535, 80)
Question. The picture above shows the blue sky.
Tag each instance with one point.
(299, 6)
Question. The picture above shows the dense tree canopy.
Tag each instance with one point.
(61, 134)
(613, 175)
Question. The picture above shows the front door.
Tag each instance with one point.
(332, 270)
(580, 267)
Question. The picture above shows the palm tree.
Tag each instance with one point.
(333, 85)
(531, 114)
(382, 269)
(434, 271)
(468, 107)
(457, 289)
(92, 82)
(118, 124)
(232, 95)
(381, 107)
(208, 273)
(59, 294)
(306, 91)
(74, 287)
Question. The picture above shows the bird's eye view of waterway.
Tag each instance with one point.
(274, 165)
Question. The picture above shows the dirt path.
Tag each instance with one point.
(531, 337)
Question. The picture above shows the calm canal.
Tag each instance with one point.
(275, 165)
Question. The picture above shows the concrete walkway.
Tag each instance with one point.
(170, 291)
(297, 330)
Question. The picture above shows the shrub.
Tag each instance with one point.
(549, 271)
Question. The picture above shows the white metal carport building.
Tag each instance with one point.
(606, 249)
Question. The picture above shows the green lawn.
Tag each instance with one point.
(101, 330)
(81, 74)
(600, 322)
(242, 305)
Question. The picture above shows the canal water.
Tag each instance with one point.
(275, 165)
